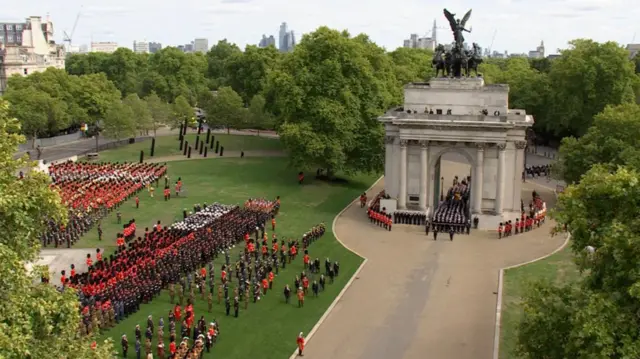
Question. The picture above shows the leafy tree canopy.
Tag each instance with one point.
(326, 96)
(37, 320)
(612, 140)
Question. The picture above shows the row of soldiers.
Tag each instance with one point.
(138, 271)
(89, 189)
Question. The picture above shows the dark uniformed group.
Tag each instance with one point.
(91, 191)
(539, 171)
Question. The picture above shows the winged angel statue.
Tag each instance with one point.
(457, 26)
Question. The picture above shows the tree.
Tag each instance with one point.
(613, 140)
(412, 65)
(119, 121)
(258, 117)
(59, 86)
(37, 320)
(217, 59)
(126, 69)
(95, 95)
(597, 316)
(585, 79)
(141, 113)
(326, 96)
(182, 111)
(173, 73)
(226, 109)
(247, 71)
(159, 110)
(39, 114)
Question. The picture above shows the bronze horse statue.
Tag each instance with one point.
(440, 62)
(475, 59)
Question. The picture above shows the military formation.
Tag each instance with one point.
(179, 259)
(91, 191)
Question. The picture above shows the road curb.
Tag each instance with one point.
(351, 280)
(496, 338)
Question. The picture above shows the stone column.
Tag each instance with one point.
(424, 173)
(519, 167)
(402, 197)
(478, 179)
(500, 179)
(390, 167)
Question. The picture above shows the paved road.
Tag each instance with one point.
(419, 298)
(57, 152)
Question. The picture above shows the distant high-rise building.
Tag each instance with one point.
(106, 47)
(538, 53)
(201, 45)
(141, 47)
(633, 49)
(281, 37)
(428, 43)
(267, 41)
(188, 47)
(154, 47)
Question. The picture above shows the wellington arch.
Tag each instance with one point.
(463, 116)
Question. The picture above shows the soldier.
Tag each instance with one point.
(227, 305)
(287, 293)
(147, 347)
(125, 345)
(171, 292)
(210, 302)
(180, 291)
(150, 326)
(138, 348)
(160, 334)
(246, 298)
(138, 332)
(192, 295)
(314, 288)
(236, 306)
(219, 294)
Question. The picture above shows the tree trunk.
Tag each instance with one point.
(33, 141)
(258, 132)
(228, 130)
(97, 136)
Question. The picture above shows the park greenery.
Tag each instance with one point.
(323, 99)
(37, 320)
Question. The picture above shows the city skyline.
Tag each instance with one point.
(519, 25)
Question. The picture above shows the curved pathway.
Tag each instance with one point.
(417, 297)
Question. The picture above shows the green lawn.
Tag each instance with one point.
(267, 329)
(170, 146)
(559, 268)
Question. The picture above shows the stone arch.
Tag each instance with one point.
(460, 150)
(434, 157)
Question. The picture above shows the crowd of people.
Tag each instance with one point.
(452, 213)
(179, 258)
(376, 214)
(92, 190)
(536, 171)
(530, 218)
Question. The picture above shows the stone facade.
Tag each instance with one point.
(35, 51)
(463, 116)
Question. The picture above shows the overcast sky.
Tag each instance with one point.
(519, 25)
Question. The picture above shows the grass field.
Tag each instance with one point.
(170, 146)
(559, 268)
(267, 329)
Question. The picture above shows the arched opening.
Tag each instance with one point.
(451, 197)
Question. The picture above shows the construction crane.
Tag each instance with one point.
(495, 32)
(68, 37)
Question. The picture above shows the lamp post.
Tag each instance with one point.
(441, 189)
